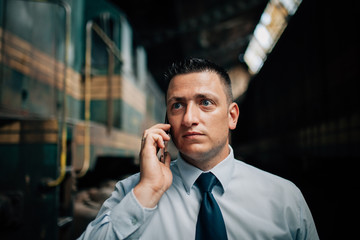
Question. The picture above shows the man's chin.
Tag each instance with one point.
(194, 151)
(202, 151)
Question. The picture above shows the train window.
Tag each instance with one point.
(100, 54)
(105, 68)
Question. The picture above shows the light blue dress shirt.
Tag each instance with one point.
(255, 205)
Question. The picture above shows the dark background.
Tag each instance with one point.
(300, 117)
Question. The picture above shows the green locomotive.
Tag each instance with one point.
(73, 89)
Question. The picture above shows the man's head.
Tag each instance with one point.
(192, 65)
(200, 111)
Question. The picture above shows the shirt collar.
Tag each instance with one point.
(223, 171)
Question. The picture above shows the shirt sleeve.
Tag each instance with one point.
(120, 217)
(307, 224)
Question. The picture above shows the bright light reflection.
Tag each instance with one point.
(272, 23)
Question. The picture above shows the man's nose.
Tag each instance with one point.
(191, 116)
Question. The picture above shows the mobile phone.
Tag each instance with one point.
(163, 150)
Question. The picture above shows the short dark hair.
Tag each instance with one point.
(192, 65)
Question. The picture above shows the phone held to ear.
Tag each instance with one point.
(163, 150)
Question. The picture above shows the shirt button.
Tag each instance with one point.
(134, 221)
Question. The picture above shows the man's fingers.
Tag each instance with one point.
(160, 128)
(159, 141)
(163, 126)
(156, 131)
(154, 139)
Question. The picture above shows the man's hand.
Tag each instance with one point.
(155, 176)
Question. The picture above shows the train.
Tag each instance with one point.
(75, 93)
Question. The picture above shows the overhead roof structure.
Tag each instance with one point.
(218, 30)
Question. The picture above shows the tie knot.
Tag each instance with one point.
(206, 182)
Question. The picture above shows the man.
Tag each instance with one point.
(166, 201)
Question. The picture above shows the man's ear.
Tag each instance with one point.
(234, 113)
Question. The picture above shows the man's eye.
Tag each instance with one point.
(177, 105)
(206, 102)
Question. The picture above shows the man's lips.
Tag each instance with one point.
(192, 134)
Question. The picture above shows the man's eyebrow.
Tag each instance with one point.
(175, 99)
(205, 95)
(199, 95)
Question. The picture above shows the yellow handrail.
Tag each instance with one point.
(86, 163)
(61, 177)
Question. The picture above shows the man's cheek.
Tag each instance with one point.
(174, 137)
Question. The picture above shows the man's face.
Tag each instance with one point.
(199, 115)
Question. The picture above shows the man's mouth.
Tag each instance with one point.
(192, 134)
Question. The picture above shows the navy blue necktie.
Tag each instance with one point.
(210, 223)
